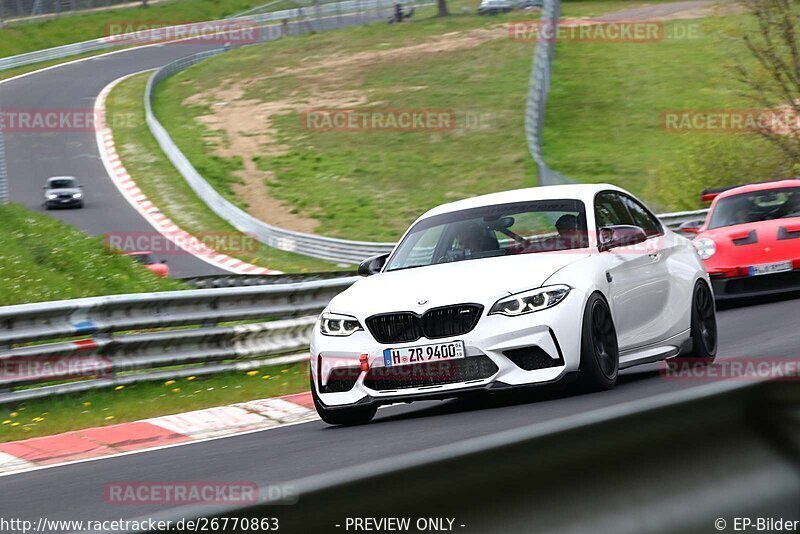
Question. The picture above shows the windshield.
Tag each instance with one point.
(756, 206)
(490, 231)
(61, 183)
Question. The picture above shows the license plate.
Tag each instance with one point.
(770, 268)
(434, 352)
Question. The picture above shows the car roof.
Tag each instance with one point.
(583, 192)
(760, 186)
(61, 178)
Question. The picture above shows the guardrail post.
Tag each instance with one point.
(5, 388)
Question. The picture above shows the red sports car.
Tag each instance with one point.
(750, 240)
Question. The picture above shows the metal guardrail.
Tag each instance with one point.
(675, 462)
(675, 219)
(240, 280)
(539, 90)
(138, 334)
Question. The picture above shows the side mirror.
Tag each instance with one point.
(691, 227)
(621, 235)
(372, 265)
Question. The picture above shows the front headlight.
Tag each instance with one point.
(705, 247)
(77, 195)
(530, 301)
(51, 196)
(334, 324)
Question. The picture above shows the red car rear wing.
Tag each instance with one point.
(707, 195)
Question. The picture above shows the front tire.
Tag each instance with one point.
(599, 347)
(343, 416)
(704, 324)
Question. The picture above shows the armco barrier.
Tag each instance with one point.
(538, 92)
(128, 338)
(239, 280)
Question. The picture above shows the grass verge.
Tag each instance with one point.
(44, 417)
(163, 185)
(43, 259)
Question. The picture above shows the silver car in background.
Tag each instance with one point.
(63, 192)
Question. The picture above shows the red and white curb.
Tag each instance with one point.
(149, 211)
(158, 432)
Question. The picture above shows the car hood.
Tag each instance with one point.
(67, 190)
(768, 248)
(481, 281)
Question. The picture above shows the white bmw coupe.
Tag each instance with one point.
(512, 289)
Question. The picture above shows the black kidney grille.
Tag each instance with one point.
(395, 327)
(441, 322)
(450, 321)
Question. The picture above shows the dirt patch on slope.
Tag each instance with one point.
(245, 126)
(246, 131)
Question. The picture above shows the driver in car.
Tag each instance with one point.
(570, 234)
(472, 237)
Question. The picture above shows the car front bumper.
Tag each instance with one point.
(547, 343)
(64, 202)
